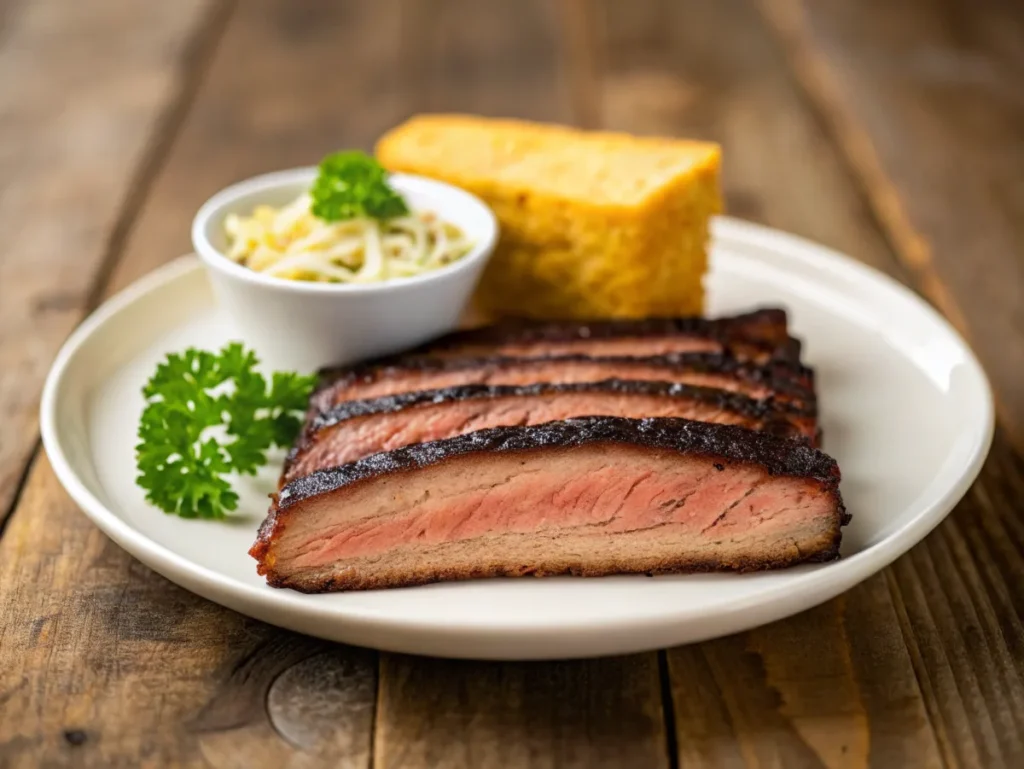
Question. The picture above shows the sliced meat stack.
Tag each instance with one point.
(757, 336)
(784, 381)
(559, 448)
(356, 429)
(590, 496)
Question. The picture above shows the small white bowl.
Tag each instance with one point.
(302, 326)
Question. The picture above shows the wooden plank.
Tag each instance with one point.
(84, 92)
(666, 71)
(924, 98)
(488, 59)
(959, 604)
(499, 58)
(105, 664)
(291, 82)
(588, 714)
(832, 687)
(760, 698)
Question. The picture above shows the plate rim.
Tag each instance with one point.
(287, 608)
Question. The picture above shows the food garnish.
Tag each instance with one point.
(207, 415)
(351, 185)
(350, 227)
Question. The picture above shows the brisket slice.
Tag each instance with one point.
(759, 336)
(589, 496)
(786, 382)
(355, 429)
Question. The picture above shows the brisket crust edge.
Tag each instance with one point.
(779, 418)
(724, 399)
(765, 326)
(777, 456)
(788, 377)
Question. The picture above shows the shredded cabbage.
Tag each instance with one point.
(292, 243)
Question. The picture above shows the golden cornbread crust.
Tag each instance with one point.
(594, 224)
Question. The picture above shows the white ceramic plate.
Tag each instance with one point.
(906, 410)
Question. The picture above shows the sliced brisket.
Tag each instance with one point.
(758, 336)
(785, 381)
(590, 496)
(355, 429)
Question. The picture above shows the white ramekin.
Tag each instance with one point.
(303, 326)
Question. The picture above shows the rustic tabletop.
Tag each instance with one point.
(891, 131)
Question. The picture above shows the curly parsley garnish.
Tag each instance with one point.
(352, 184)
(209, 414)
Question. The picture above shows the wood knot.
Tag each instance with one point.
(326, 698)
(75, 737)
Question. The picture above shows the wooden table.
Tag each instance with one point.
(893, 131)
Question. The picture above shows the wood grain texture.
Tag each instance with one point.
(488, 58)
(290, 82)
(959, 603)
(325, 705)
(103, 663)
(590, 714)
(709, 71)
(84, 88)
(832, 687)
(925, 99)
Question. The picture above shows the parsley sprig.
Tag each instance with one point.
(209, 414)
(352, 184)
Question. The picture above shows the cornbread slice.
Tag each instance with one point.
(594, 224)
